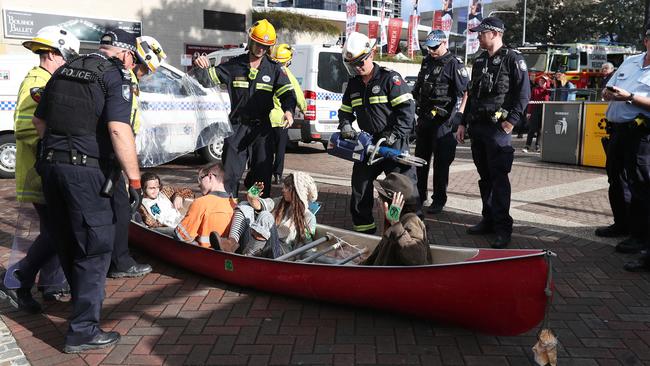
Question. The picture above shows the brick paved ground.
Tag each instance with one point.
(171, 316)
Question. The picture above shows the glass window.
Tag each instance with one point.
(535, 61)
(165, 81)
(331, 72)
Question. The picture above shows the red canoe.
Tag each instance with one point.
(498, 292)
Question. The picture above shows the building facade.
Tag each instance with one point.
(183, 28)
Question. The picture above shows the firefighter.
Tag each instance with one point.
(149, 55)
(252, 79)
(380, 101)
(84, 120)
(628, 155)
(440, 93)
(283, 53)
(498, 94)
(54, 45)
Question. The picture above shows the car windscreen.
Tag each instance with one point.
(535, 61)
(331, 72)
(165, 81)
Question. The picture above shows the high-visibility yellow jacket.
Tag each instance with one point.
(277, 114)
(135, 113)
(28, 182)
(206, 214)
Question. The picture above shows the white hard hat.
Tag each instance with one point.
(54, 38)
(357, 48)
(149, 52)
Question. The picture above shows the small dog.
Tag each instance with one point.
(545, 349)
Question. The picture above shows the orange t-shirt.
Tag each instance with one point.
(212, 212)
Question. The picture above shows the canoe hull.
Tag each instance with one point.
(494, 296)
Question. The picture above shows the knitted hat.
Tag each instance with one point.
(305, 188)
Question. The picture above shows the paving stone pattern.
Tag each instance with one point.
(174, 317)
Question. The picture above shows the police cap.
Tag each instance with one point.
(435, 38)
(120, 38)
(490, 24)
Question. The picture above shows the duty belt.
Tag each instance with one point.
(70, 157)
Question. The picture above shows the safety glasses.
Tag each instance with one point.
(203, 176)
(434, 48)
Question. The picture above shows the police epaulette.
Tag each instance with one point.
(386, 68)
(516, 51)
(459, 59)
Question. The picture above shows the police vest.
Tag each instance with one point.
(70, 104)
(435, 90)
(490, 81)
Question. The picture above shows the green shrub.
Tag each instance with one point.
(293, 22)
(416, 60)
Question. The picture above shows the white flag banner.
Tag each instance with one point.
(351, 20)
(382, 25)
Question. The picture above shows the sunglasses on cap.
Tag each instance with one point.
(434, 48)
(359, 61)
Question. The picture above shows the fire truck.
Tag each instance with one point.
(581, 62)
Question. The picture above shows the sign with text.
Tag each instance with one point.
(394, 33)
(474, 17)
(562, 130)
(413, 42)
(25, 25)
(593, 153)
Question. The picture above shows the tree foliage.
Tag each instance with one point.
(295, 22)
(552, 21)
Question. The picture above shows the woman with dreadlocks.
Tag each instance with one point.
(271, 227)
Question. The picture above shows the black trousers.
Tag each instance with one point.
(252, 143)
(41, 257)
(362, 200)
(628, 170)
(82, 223)
(281, 139)
(121, 259)
(443, 148)
(493, 154)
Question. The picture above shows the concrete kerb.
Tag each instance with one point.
(10, 353)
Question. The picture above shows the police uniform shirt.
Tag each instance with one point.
(114, 106)
(251, 92)
(384, 104)
(446, 70)
(515, 88)
(635, 78)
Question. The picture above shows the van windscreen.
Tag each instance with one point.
(331, 72)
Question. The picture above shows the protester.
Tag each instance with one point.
(563, 88)
(211, 212)
(272, 227)
(404, 241)
(161, 205)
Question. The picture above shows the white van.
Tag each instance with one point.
(13, 69)
(322, 77)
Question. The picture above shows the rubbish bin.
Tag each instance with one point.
(593, 153)
(561, 132)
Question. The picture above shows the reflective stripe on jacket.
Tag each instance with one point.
(277, 114)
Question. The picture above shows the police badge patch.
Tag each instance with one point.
(126, 92)
(463, 72)
(36, 94)
(496, 60)
(397, 80)
(375, 89)
(522, 65)
(266, 78)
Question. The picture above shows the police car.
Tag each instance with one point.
(322, 76)
(179, 115)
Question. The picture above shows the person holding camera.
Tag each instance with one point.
(498, 94)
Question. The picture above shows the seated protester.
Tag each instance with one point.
(404, 242)
(160, 205)
(272, 227)
(211, 212)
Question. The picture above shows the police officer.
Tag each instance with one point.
(83, 119)
(379, 99)
(498, 94)
(628, 151)
(252, 80)
(54, 45)
(149, 55)
(439, 90)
